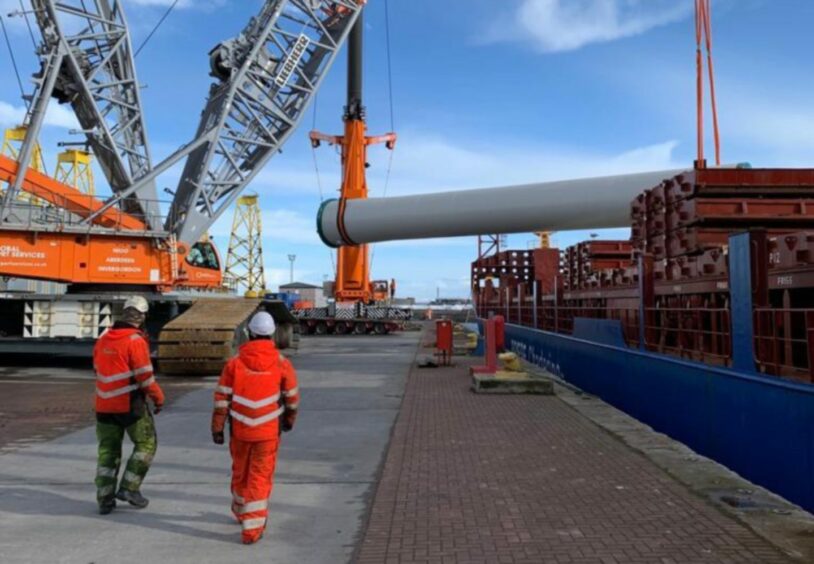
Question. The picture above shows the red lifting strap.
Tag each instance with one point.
(703, 32)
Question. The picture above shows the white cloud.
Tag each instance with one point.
(425, 163)
(433, 164)
(760, 122)
(779, 130)
(279, 224)
(566, 25)
(290, 226)
(56, 116)
(298, 177)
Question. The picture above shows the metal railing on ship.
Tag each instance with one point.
(783, 338)
(784, 342)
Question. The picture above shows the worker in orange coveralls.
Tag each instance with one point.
(124, 382)
(257, 393)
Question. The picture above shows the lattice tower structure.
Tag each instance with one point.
(244, 262)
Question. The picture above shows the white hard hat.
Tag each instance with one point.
(138, 303)
(262, 324)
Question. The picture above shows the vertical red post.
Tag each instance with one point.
(500, 333)
(491, 349)
(810, 335)
(443, 341)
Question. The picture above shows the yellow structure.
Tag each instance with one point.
(74, 169)
(244, 263)
(12, 143)
(545, 239)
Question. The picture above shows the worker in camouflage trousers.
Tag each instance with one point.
(257, 394)
(124, 382)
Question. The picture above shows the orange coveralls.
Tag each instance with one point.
(256, 390)
(124, 371)
(124, 378)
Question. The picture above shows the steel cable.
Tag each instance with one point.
(28, 24)
(392, 110)
(155, 29)
(13, 60)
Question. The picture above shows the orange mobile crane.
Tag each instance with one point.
(361, 305)
(105, 249)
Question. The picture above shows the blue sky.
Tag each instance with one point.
(485, 94)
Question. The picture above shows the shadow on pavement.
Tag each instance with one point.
(33, 502)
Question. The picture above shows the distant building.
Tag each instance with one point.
(308, 292)
(451, 302)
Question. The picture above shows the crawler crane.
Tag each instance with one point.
(264, 80)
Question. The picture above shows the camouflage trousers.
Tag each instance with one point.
(110, 432)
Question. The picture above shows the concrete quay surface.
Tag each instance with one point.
(388, 464)
(327, 467)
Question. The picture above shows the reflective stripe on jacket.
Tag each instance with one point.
(121, 360)
(255, 389)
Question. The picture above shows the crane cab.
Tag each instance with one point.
(201, 267)
(380, 290)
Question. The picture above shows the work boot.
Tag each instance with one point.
(252, 538)
(106, 506)
(133, 498)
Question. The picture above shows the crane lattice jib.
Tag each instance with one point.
(97, 77)
(265, 79)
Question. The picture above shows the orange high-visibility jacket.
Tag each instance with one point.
(121, 359)
(255, 389)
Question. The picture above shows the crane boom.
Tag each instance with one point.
(265, 79)
(87, 62)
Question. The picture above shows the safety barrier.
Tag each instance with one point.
(784, 337)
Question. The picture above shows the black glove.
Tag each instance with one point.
(157, 408)
(218, 438)
(287, 421)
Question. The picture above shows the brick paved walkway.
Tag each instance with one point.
(492, 479)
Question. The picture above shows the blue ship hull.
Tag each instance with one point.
(760, 427)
